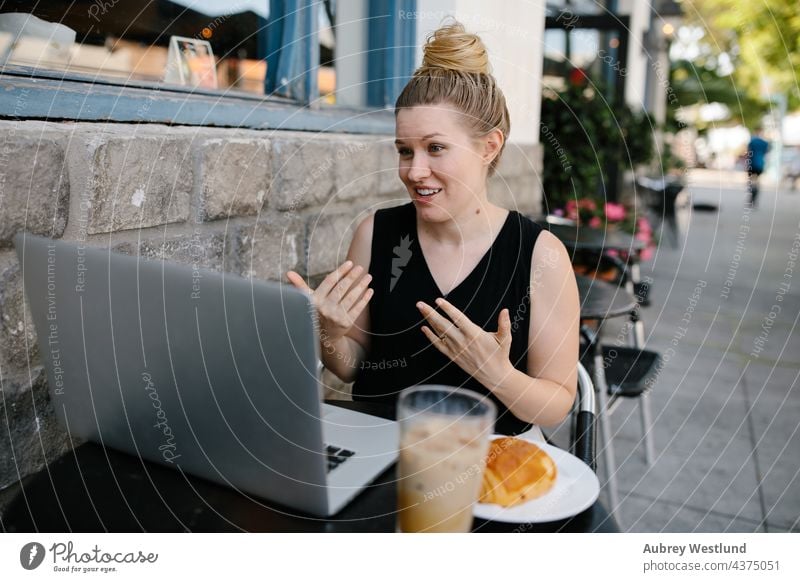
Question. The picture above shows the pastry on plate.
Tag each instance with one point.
(516, 471)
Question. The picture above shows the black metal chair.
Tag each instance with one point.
(584, 421)
(628, 372)
(618, 273)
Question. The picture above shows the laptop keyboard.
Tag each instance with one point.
(336, 456)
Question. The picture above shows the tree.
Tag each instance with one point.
(694, 83)
(759, 38)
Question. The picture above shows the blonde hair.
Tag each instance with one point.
(455, 71)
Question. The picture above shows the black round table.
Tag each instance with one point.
(584, 238)
(93, 489)
(601, 300)
(599, 242)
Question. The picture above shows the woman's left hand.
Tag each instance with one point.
(481, 354)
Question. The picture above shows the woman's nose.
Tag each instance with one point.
(418, 170)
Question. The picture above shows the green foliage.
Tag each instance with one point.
(584, 138)
(669, 161)
(761, 40)
(694, 83)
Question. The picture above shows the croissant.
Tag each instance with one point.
(516, 471)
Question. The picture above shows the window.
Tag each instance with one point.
(122, 41)
(587, 35)
(556, 7)
(241, 63)
(595, 52)
(326, 78)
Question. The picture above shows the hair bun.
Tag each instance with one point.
(452, 47)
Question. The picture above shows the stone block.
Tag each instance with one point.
(514, 193)
(34, 189)
(269, 248)
(357, 168)
(303, 172)
(236, 176)
(388, 180)
(519, 160)
(30, 436)
(18, 348)
(501, 191)
(201, 248)
(328, 237)
(139, 182)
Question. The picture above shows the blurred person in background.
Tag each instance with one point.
(757, 150)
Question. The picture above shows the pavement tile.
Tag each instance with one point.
(775, 412)
(646, 515)
(704, 455)
(778, 529)
(770, 343)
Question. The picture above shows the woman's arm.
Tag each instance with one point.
(545, 395)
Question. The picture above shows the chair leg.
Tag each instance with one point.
(605, 431)
(647, 428)
(638, 334)
(636, 272)
(637, 339)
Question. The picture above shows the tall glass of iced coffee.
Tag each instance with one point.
(444, 439)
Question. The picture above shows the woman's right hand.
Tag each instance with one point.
(339, 299)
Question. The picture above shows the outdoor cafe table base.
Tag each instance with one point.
(94, 489)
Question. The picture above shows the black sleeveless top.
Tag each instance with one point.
(400, 355)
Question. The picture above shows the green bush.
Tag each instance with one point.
(585, 138)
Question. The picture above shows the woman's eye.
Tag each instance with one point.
(435, 147)
(404, 152)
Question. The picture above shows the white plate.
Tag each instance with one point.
(575, 489)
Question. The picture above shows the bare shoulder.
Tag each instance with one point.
(548, 250)
(552, 277)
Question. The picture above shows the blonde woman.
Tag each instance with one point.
(450, 288)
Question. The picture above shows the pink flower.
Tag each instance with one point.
(615, 212)
(646, 254)
(587, 204)
(595, 222)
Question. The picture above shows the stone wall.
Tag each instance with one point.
(254, 203)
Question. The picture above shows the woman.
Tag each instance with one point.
(460, 292)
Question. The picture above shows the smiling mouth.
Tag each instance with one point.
(425, 192)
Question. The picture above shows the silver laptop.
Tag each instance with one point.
(214, 375)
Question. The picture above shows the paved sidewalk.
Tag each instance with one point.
(726, 406)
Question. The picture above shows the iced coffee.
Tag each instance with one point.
(443, 447)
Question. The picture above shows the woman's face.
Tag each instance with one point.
(441, 164)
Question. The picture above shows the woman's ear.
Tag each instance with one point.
(492, 144)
